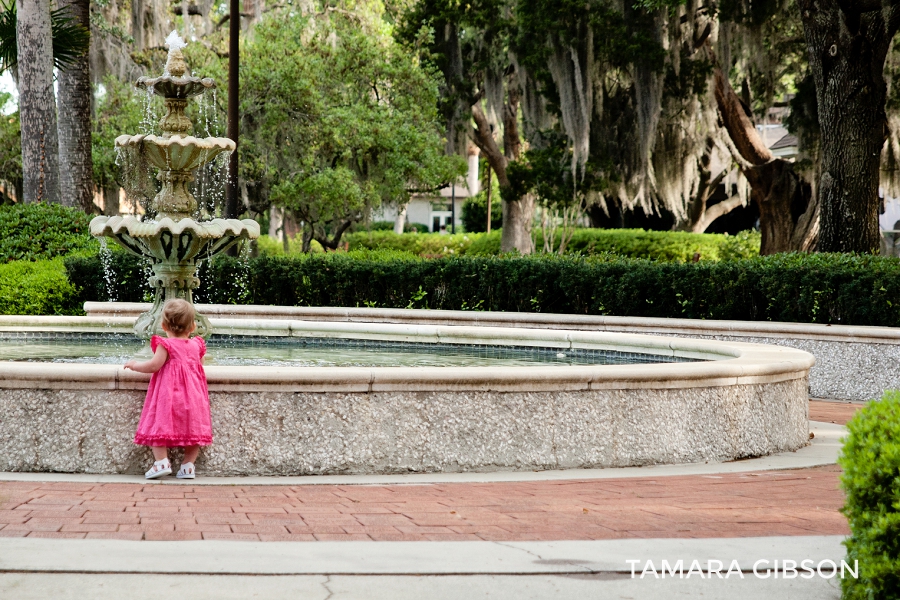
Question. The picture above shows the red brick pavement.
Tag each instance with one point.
(832, 412)
(799, 502)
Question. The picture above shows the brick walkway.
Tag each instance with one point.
(800, 502)
(832, 412)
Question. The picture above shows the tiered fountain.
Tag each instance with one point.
(176, 241)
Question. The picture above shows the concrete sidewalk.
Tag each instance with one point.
(34, 568)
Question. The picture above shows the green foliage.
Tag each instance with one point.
(340, 119)
(37, 288)
(389, 226)
(633, 243)
(817, 288)
(124, 281)
(41, 231)
(119, 110)
(10, 148)
(474, 212)
(70, 39)
(421, 244)
(275, 247)
(871, 480)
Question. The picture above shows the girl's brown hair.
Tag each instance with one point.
(178, 316)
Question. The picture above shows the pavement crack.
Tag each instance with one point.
(328, 589)
(571, 562)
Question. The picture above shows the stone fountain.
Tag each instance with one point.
(176, 241)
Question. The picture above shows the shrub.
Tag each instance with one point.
(43, 231)
(474, 213)
(123, 279)
(634, 243)
(389, 226)
(818, 288)
(429, 244)
(37, 288)
(871, 480)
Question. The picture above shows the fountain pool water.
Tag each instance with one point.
(240, 351)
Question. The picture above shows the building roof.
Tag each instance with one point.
(786, 141)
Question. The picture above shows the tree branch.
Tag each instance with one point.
(484, 139)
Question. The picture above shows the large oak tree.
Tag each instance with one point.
(848, 43)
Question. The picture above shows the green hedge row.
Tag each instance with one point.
(817, 288)
(676, 246)
(871, 479)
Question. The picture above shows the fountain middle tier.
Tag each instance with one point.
(176, 157)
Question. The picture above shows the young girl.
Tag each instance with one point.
(176, 411)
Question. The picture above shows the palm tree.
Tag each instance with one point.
(34, 39)
(76, 170)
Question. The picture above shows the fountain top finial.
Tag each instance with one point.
(176, 82)
(175, 65)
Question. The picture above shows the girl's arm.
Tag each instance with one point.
(150, 366)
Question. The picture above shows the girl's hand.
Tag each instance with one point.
(150, 366)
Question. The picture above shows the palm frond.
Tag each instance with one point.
(71, 40)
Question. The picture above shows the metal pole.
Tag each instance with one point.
(234, 30)
(453, 209)
(489, 198)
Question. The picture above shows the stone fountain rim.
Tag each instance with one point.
(208, 143)
(102, 226)
(150, 83)
(732, 364)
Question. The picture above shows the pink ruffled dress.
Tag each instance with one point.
(176, 411)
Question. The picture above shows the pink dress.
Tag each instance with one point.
(176, 411)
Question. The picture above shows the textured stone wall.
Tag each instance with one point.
(843, 370)
(282, 433)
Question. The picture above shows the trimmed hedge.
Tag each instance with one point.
(676, 246)
(817, 288)
(37, 288)
(43, 231)
(871, 480)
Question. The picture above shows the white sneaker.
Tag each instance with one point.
(159, 469)
(186, 471)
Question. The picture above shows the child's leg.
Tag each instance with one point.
(191, 453)
(159, 452)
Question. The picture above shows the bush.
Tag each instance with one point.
(124, 279)
(871, 480)
(474, 213)
(428, 244)
(818, 288)
(37, 288)
(389, 226)
(43, 231)
(634, 243)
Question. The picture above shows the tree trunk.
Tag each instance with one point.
(400, 220)
(111, 200)
(788, 211)
(37, 104)
(76, 166)
(848, 43)
(518, 213)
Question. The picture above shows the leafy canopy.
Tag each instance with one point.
(339, 119)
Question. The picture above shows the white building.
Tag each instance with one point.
(438, 211)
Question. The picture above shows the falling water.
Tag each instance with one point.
(108, 276)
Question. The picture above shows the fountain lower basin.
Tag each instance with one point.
(737, 401)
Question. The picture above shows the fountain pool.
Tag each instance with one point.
(720, 401)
